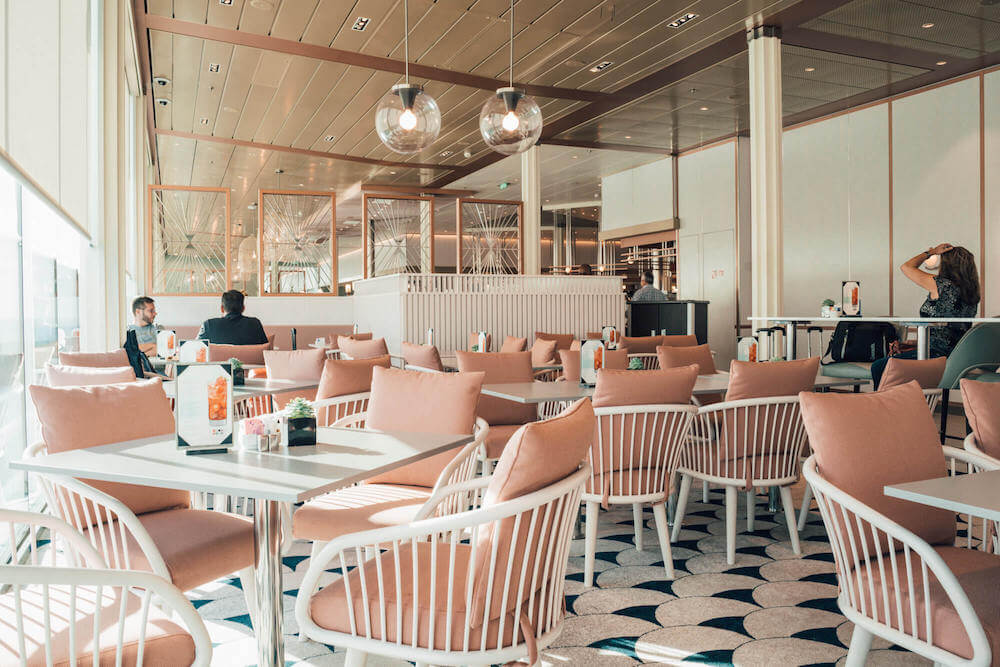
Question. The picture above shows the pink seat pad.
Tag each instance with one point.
(166, 642)
(198, 546)
(358, 508)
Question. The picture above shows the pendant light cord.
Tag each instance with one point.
(510, 71)
(406, 41)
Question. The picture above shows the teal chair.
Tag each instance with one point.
(977, 350)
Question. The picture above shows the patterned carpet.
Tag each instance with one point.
(770, 608)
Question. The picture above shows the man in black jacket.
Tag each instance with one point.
(233, 328)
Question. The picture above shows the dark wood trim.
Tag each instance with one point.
(304, 151)
(416, 190)
(330, 54)
(862, 48)
(657, 150)
(145, 70)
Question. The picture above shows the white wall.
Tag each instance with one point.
(637, 196)
(706, 261)
(991, 255)
(188, 310)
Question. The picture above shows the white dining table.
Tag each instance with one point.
(544, 392)
(974, 494)
(341, 458)
(921, 323)
(257, 387)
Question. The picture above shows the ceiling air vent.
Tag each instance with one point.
(677, 23)
(360, 23)
(601, 66)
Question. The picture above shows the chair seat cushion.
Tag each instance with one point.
(977, 572)
(497, 438)
(330, 607)
(358, 508)
(166, 642)
(850, 370)
(198, 546)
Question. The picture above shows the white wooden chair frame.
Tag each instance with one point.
(79, 505)
(701, 458)
(660, 455)
(933, 397)
(88, 572)
(650, 362)
(460, 469)
(838, 508)
(553, 508)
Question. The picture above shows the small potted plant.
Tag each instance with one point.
(635, 364)
(826, 308)
(301, 418)
(239, 373)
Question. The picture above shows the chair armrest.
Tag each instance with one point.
(466, 490)
(351, 421)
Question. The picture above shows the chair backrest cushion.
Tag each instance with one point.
(474, 341)
(304, 364)
(425, 356)
(982, 407)
(749, 379)
(667, 386)
(500, 367)
(362, 349)
(513, 344)
(570, 360)
(641, 344)
(927, 372)
(616, 360)
(81, 417)
(82, 376)
(113, 359)
(543, 352)
(672, 357)
(865, 442)
(248, 354)
(679, 340)
(422, 403)
(563, 340)
(360, 335)
(536, 456)
(979, 345)
(341, 377)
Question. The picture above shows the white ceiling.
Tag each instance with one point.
(568, 174)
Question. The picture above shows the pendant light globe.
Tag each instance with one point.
(407, 119)
(510, 121)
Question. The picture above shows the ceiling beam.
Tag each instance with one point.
(330, 54)
(145, 70)
(861, 48)
(461, 170)
(713, 54)
(416, 190)
(575, 143)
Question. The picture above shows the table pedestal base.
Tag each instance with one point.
(268, 617)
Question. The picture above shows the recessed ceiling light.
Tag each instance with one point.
(681, 20)
(445, 153)
(161, 80)
(279, 171)
(628, 136)
(262, 4)
(203, 120)
(328, 138)
(302, 185)
(163, 101)
(251, 206)
(361, 23)
(213, 67)
(810, 69)
(226, 2)
(704, 108)
(546, 201)
(601, 66)
(927, 25)
(576, 157)
(392, 172)
(942, 62)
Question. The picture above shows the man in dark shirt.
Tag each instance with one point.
(232, 328)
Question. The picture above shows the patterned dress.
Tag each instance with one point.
(948, 304)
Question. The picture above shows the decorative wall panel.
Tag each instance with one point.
(188, 239)
(297, 242)
(399, 233)
(489, 236)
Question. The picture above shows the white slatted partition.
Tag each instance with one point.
(403, 306)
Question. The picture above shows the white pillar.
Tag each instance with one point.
(426, 265)
(764, 44)
(531, 225)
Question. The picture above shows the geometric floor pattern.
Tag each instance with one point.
(770, 608)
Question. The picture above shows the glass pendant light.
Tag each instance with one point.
(407, 119)
(510, 121)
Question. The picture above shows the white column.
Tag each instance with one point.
(531, 225)
(425, 237)
(764, 44)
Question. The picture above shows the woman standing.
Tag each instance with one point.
(953, 292)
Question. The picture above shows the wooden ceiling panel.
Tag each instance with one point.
(236, 90)
(578, 17)
(361, 105)
(191, 10)
(271, 68)
(160, 7)
(292, 19)
(425, 32)
(258, 20)
(319, 126)
(383, 18)
(211, 86)
(320, 86)
(253, 111)
(298, 75)
(326, 21)
(223, 16)
(187, 59)
(458, 38)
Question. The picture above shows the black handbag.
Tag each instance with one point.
(860, 341)
(137, 359)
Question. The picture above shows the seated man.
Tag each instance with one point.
(647, 292)
(143, 314)
(233, 328)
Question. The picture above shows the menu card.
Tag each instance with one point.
(166, 343)
(193, 352)
(204, 408)
(852, 298)
(591, 360)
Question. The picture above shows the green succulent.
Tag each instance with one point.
(475, 348)
(829, 302)
(300, 408)
(235, 364)
(635, 364)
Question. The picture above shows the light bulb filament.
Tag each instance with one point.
(408, 120)
(511, 121)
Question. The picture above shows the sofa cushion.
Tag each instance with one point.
(672, 357)
(248, 354)
(563, 340)
(982, 407)
(341, 377)
(500, 367)
(362, 349)
(927, 372)
(655, 387)
(748, 379)
(543, 352)
(641, 344)
(81, 376)
(114, 359)
(425, 356)
(512, 344)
